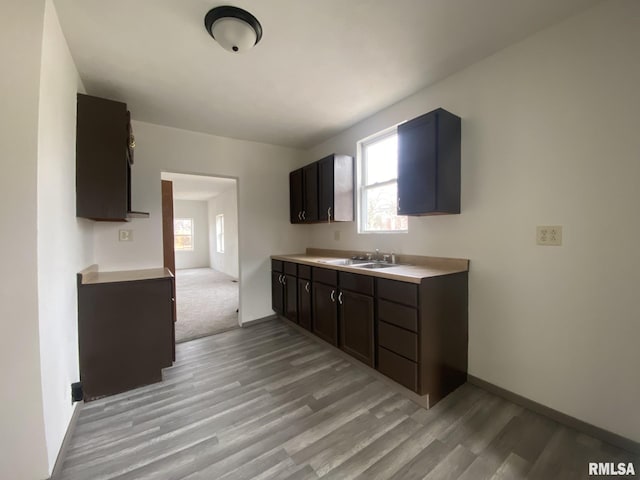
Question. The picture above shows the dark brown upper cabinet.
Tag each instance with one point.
(335, 188)
(303, 194)
(322, 191)
(429, 164)
(104, 156)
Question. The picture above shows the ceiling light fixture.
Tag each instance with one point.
(236, 30)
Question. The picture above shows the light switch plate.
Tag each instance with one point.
(126, 236)
(549, 235)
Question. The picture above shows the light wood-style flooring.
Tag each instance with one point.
(268, 402)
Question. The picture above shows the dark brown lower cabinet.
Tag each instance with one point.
(290, 285)
(325, 312)
(304, 303)
(277, 292)
(125, 334)
(356, 326)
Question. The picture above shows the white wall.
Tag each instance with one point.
(226, 203)
(198, 211)
(65, 244)
(550, 136)
(263, 186)
(23, 454)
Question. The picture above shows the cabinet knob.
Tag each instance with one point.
(333, 295)
(132, 141)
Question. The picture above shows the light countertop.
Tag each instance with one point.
(91, 275)
(409, 268)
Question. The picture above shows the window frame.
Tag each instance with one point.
(220, 233)
(192, 235)
(363, 188)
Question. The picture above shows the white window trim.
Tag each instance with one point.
(220, 233)
(361, 175)
(193, 236)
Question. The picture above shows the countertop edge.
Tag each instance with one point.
(414, 277)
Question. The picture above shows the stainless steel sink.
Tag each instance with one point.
(344, 261)
(376, 265)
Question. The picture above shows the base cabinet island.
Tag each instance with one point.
(408, 320)
(125, 329)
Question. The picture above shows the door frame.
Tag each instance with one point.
(239, 218)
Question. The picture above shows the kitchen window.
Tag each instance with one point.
(378, 185)
(220, 233)
(183, 234)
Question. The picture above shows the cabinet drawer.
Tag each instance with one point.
(276, 265)
(291, 268)
(398, 368)
(304, 271)
(356, 283)
(326, 276)
(400, 292)
(399, 315)
(398, 340)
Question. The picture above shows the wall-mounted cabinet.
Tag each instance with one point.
(429, 164)
(104, 156)
(322, 191)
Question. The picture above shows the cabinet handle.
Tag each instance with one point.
(132, 142)
(280, 278)
(303, 215)
(329, 215)
(306, 287)
(284, 279)
(333, 296)
(398, 203)
(340, 298)
(299, 215)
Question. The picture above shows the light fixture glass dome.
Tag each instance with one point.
(236, 30)
(233, 34)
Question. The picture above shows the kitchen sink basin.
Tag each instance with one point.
(376, 265)
(344, 261)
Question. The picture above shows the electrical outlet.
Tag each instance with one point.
(550, 235)
(126, 236)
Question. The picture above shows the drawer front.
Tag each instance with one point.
(398, 340)
(398, 368)
(400, 292)
(326, 276)
(356, 283)
(304, 271)
(399, 315)
(291, 268)
(276, 265)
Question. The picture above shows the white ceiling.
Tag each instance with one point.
(197, 187)
(322, 65)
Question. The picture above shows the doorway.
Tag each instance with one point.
(200, 247)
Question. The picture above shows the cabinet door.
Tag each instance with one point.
(304, 303)
(325, 312)
(277, 293)
(310, 182)
(295, 196)
(417, 165)
(291, 298)
(325, 188)
(356, 325)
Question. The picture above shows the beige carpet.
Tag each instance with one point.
(206, 303)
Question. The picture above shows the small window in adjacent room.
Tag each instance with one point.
(378, 185)
(183, 234)
(220, 233)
